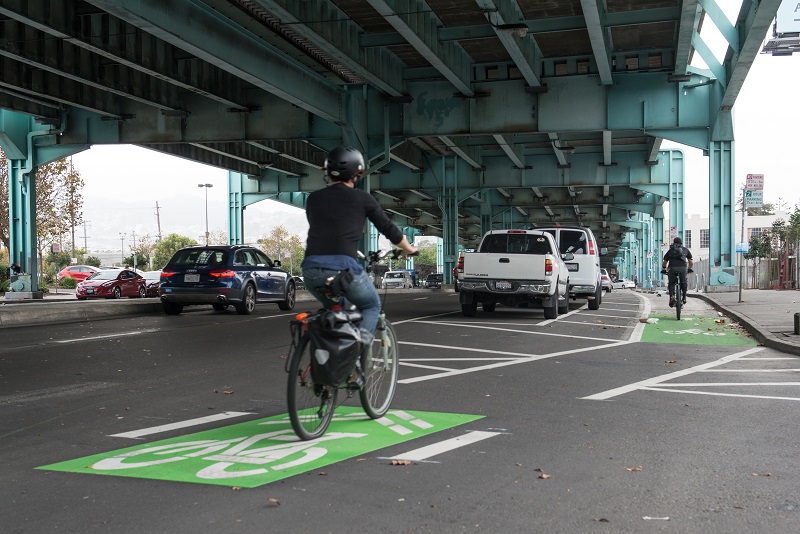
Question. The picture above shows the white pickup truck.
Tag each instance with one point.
(515, 267)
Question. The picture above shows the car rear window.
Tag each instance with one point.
(202, 257)
(435, 277)
(394, 275)
(573, 241)
(516, 244)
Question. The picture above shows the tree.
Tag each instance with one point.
(167, 247)
(218, 237)
(144, 251)
(425, 263)
(283, 246)
(59, 202)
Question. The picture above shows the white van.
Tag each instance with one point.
(584, 268)
(397, 279)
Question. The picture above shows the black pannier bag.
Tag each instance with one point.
(335, 346)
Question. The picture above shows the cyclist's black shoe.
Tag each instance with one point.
(671, 302)
(356, 379)
(683, 301)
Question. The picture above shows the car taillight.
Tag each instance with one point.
(223, 274)
(167, 274)
(591, 248)
(548, 267)
(460, 265)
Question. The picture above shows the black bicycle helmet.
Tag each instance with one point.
(343, 163)
(677, 241)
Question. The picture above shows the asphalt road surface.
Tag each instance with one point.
(503, 422)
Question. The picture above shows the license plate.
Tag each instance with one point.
(190, 278)
(503, 285)
(572, 266)
(89, 291)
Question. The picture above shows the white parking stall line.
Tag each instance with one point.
(718, 394)
(751, 371)
(423, 453)
(604, 325)
(520, 331)
(638, 330)
(726, 384)
(464, 349)
(421, 298)
(497, 365)
(611, 316)
(771, 358)
(548, 321)
(180, 424)
(414, 420)
(605, 395)
(461, 359)
(424, 317)
(421, 366)
(617, 303)
(107, 336)
(391, 425)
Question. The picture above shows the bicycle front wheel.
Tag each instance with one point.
(310, 405)
(678, 301)
(380, 367)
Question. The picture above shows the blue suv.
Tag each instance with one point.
(222, 276)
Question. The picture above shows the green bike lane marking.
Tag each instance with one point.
(695, 330)
(258, 452)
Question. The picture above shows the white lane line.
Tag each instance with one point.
(459, 359)
(180, 424)
(424, 317)
(431, 367)
(465, 349)
(423, 453)
(727, 384)
(522, 331)
(421, 298)
(618, 304)
(507, 363)
(715, 393)
(595, 324)
(751, 371)
(278, 315)
(605, 395)
(107, 336)
(405, 416)
(638, 330)
(770, 358)
(613, 316)
(548, 321)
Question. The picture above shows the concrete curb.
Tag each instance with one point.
(32, 313)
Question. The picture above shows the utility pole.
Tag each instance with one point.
(122, 246)
(85, 242)
(158, 220)
(133, 234)
(72, 205)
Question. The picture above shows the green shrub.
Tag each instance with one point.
(69, 283)
(4, 285)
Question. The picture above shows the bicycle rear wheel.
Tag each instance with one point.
(380, 376)
(678, 301)
(311, 405)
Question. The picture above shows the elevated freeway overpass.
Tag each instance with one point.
(473, 114)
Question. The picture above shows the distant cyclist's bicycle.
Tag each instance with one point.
(311, 405)
(677, 291)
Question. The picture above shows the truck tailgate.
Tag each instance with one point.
(504, 266)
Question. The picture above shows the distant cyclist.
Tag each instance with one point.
(336, 215)
(677, 263)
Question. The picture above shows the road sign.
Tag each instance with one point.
(743, 247)
(753, 199)
(754, 182)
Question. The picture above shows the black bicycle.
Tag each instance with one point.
(677, 291)
(311, 405)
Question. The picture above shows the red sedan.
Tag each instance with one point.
(112, 284)
(78, 272)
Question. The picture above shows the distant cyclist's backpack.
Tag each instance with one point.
(335, 346)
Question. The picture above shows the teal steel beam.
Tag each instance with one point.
(419, 25)
(61, 20)
(469, 154)
(599, 37)
(677, 213)
(513, 152)
(708, 56)
(193, 27)
(691, 16)
(327, 27)
(653, 146)
(30, 105)
(722, 215)
(550, 24)
(520, 46)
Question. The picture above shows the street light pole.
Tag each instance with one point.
(122, 247)
(206, 186)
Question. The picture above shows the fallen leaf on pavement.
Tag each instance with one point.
(322, 474)
(401, 462)
(634, 468)
(762, 474)
(272, 501)
(545, 476)
(539, 469)
(600, 519)
(228, 392)
(236, 488)
(670, 361)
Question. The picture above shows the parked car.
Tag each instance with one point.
(605, 280)
(222, 276)
(623, 283)
(299, 283)
(397, 279)
(433, 281)
(584, 269)
(153, 279)
(112, 284)
(78, 272)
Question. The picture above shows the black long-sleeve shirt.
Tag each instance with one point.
(336, 216)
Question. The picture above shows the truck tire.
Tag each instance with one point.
(551, 312)
(489, 306)
(598, 298)
(469, 310)
(563, 305)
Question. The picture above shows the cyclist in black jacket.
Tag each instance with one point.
(336, 216)
(679, 261)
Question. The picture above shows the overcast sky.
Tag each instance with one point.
(124, 183)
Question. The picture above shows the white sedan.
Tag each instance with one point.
(623, 283)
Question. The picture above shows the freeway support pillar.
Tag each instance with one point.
(721, 216)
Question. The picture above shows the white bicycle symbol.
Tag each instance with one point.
(229, 452)
(694, 331)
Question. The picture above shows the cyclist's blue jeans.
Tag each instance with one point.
(360, 292)
(675, 273)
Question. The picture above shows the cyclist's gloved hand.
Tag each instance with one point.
(690, 271)
(663, 271)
